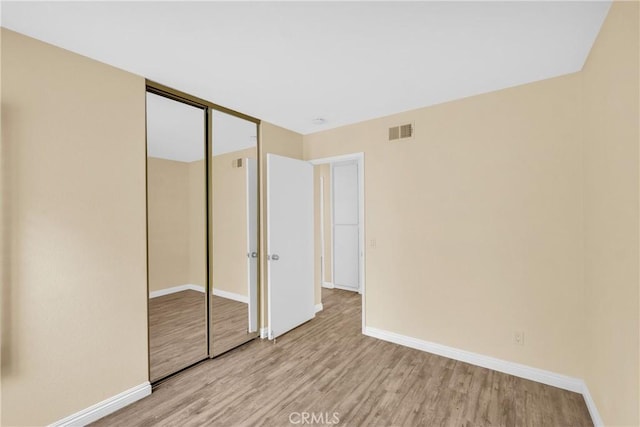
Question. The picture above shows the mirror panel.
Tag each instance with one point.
(176, 220)
(234, 207)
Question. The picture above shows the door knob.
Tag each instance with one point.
(274, 257)
(254, 254)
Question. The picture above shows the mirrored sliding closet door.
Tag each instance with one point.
(234, 208)
(177, 230)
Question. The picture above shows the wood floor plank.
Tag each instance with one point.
(177, 332)
(327, 365)
(230, 323)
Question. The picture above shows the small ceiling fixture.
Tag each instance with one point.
(319, 121)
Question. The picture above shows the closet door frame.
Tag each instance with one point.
(208, 107)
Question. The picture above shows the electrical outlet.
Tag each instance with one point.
(372, 243)
(518, 338)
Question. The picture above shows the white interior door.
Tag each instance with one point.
(289, 243)
(252, 241)
(346, 225)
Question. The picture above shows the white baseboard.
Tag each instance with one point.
(231, 295)
(591, 406)
(174, 289)
(346, 288)
(516, 369)
(264, 333)
(319, 307)
(189, 287)
(106, 407)
(330, 285)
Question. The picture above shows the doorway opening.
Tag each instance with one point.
(340, 230)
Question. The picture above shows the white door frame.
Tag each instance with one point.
(359, 157)
(322, 263)
(252, 294)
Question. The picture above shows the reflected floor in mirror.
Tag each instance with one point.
(230, 324)
(327, 365)
(177, 332)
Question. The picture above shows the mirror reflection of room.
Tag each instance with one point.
(176, 203)
(234, 210)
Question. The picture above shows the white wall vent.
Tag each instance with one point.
(401, 132)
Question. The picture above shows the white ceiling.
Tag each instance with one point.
(291, 62)
(175, 131)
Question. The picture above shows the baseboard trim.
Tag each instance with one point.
(106, 407)
(174, 289)
(319, 307)
(346, 288)
(189, 287)
(231, 296)
(591, 406)
(327, 285)
(511, 368)
(264, 333)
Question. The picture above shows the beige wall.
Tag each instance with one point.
(74, 265)
(477, 223)
(177, 238)
(229, 209)
(275, 140)
(168, 222)
(611, 191)
(280, 141)
(325, 172)
(197, 224)
(322, 171)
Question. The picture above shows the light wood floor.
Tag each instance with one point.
(327, 365)
(230, 324)
(177, 332)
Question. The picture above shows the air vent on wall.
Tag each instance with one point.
(402, 132)
(394, 133)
